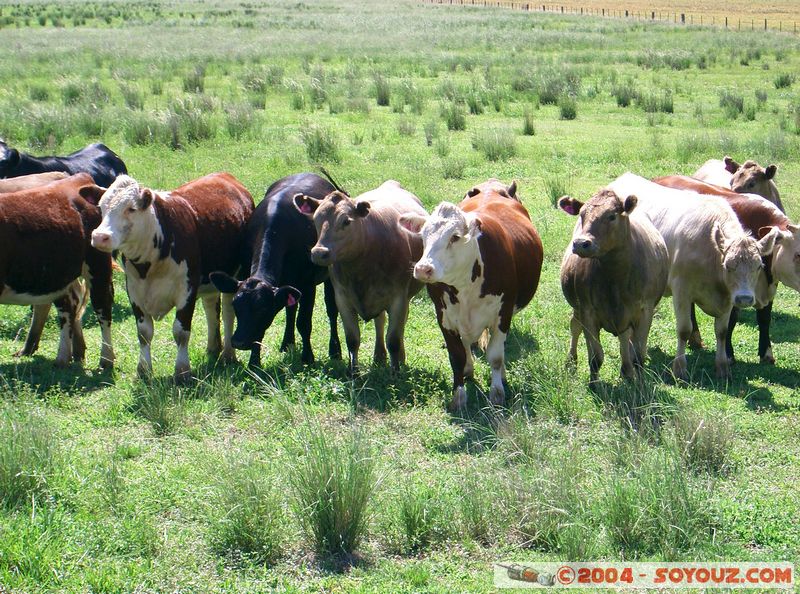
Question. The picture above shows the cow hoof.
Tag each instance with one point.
(228, 357)
(183, 377)
(62, 363)
(307, 358)
(286, 346)
(497, 396)
(695, 341)
(459, 401)
(679, 371)
(768, 360)
(106, 363)
(22, 353)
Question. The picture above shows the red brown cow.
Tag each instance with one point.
(45, 250)
(481, 262)
(757, 216)
(170, 243)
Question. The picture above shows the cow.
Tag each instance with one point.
(45, 256)
(481, 263)
(370, 262)
(613, 274)
(281, 272)
(99, 161)
(749, 178)
(26, 182)
(170, 242)
(757, 216)
(713, 261)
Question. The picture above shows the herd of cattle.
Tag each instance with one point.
(720, 244)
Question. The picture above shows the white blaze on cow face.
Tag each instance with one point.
(450, 244)
(741, 263)
(129, 221)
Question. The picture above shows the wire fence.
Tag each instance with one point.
(679, 18)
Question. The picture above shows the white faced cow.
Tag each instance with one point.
(170, 243)
(370, 261)
(481, 263)
(713, 261)
(748, 178)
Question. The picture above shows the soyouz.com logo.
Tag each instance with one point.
(644, 575)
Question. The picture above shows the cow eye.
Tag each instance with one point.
(454, 238)
(131, 209)
(612, 217)
(345, 223)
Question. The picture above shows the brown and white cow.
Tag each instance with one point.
(370, 262)
(757, 216)
(481, 262)
(170, 243)
(713, 261)
(613, 274)
(749, 178)
(45, 256)
(26, 182)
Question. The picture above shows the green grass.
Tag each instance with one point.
(242, 483)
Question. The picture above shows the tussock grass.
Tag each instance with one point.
(383, 89)
(194, 81)
(704, 441)
(784, 80)
(495, 144)
(732, 103)
(454, 116)
(160, 402)
(567, 108)
(528, 124)
(321, 144)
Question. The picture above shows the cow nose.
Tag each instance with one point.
(320, 256)
(582, 245)
(423, 271)
(744, 300)
(101, 240)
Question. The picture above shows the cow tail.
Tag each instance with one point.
(333, 181)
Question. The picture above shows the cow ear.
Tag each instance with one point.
(412, 222)
(570, 205)
(512, 189)
(473, 192)
(719, 238)
(11, 158)
(362, 208)
(767, 243)
(794, 229)
(288, 296)
(629, 204)
(781, 236)
(145, 199)
(731, 166)
(306, 204)
(224, 282)
(770, 171)
(92, 194)
(474, 226)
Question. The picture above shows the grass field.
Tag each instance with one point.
(257, 483)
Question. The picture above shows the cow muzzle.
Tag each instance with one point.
(744, 300)
(584, 247)
(321, 256)
(423, 272)
(102, 241)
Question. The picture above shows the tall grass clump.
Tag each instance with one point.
(453, 167)
(655, 102)
(784, 80)
(495, 144)
(555, 186)
(453, 115)
(194, 81)
(383, 90)
(140, 128)
(332, 479)
(551, 86)
(732, 103)
(192, 120)
(321, 144)
(39, 93)
(239, 119)
(704, 442)
(247, 511)
(528, 125)
(567, 108)
(132, 95)
(625, 93)
(160, 402)
(28, 455)
(421, 515)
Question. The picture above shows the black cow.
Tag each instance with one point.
(97, 160)
(281, 271)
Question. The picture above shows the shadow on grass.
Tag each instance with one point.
(40, 375)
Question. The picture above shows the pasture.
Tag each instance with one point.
(111, 484)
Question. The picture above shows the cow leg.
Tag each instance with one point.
(228, 319)
(595, 352)
(379, 355)
(732, 321)
(288, 331)
(38, 320)
(211, 306)
(695, 340)
(721, 331)
(144, 331)
(764, 317)
(255, 355)
(334, 346)
(457, 352)
(683, 323)
(352, 336)
(626, 355)
(575, 328)
(181, 331)
(398, 316)
(640, 333)
(78, 293)
(469, 363)
(101, 292)
(66, 320)
(495, 353)
(305, 317)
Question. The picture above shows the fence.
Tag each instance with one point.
(735, 23)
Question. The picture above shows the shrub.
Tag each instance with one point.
(145, 128)
(189, 117)
(71, 92)
(321, 144)
(784, 80)
(495, 145)
(331, 482)
(28, 455)
(567, 108)
(431, 131)
(454, 116)
(761, 96)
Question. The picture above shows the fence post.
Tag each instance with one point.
(765, 24)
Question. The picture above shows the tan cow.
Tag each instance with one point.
(26, 182)
(370, 261)
(749, 178)
(613, 274)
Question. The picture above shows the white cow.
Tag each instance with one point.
(713, 261)
(748, 178)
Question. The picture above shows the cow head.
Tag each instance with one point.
(751, 178)
(9, 159)
(128, 216)
(339, 223)
(786, 256)
(256, 303)
(449, 244)
(741, 263)
(603, 225)
(494, 185)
